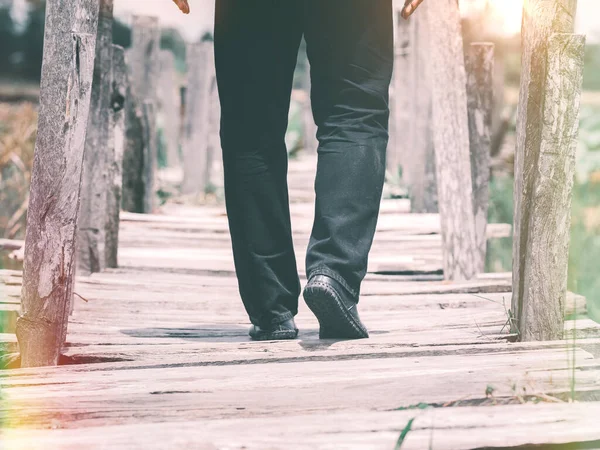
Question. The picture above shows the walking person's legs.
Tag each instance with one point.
(350, 48)
(256, 45)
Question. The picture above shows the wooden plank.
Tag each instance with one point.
(49, 265)
(451, 141)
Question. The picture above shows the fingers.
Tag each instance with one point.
(409, 7)
(183, 6)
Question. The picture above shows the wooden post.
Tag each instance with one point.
(311, 144)
(451, 141)
(197, 122)
(480, 92)
(400, 149)
(65, 91)
(423, 187)
(169, 106)
(546, 254)
(139, 162)
(214, 141)
(541, 18)
(116, 148)
(92, 216)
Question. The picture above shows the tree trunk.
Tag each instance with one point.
(451, 141)
(169, 106)
(541, 18)
(92, 216)
(549, 220)
(139, 162)
(65, 92)
(423, 189)
(115, 151)
(480, 91)
(197, 122)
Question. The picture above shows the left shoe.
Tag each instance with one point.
(281, 331)
(335, 309)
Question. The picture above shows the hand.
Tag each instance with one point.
(409, 7)
(183, 6)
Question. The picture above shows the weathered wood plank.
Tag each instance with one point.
(546, 251)
(480, 94)
(541, 18)
(66, 85)
(451, 141)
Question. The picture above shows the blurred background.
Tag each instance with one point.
(21, 46)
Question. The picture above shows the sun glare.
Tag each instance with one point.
(506, 13)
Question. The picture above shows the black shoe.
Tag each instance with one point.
(335, 308)
(284, 330)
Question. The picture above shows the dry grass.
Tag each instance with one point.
(18, 126)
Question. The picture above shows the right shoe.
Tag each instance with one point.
(335, 309)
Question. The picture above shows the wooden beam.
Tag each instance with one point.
(139, 162)
(541, 18)
(197, 117)
(480, 93)
(116, 148)
(92, 216)
(169, 106)
(67, 71)
(451, 141)
(552, 167)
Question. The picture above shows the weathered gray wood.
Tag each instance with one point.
(115, 150)
(423, 189)
(311, 144)
(91, 237)
(541, 18)
(451, 140)
(197, 117)
(169, 106)
(67, 71)
(549, 220)
(214, 142)
(139, 162)
(400, 149)
(480, 92)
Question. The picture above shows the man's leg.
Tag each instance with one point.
(256, 45)
(350, 48)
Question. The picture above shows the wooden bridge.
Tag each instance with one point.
(159, 357)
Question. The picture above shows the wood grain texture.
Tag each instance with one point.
(91, 235)
(451, 141)
(66, 85)
(116, 149)
(541, 18)
(196, 130)
(140, 160)
(480, 95)
(549, 220)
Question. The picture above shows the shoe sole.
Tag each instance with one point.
(276, 336)
(334, 320)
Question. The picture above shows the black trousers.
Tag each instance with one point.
(350, 49)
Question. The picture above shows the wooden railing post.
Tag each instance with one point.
(115, 150)
(552, 167)
(451, 141)
(140, 158)
(197, 117)
(92, 216)
(169, 106)
(541, 18)
(311, 144)
(480, 93)
(65, 91)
